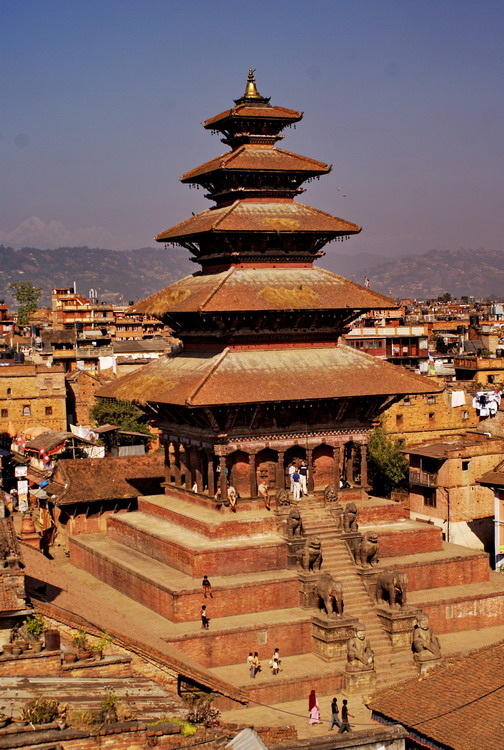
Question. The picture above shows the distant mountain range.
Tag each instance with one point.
(134, 274)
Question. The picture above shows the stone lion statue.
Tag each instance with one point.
(330, 592)
(350, 518)
(366, 552)
(310, 557)
(294, 524)
(391, 587)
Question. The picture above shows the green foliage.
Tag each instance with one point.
(388, 467)
(34, 625)
(104, 640)
(41, 710)
(446, 297)
(27, 297)
(187, 729)
(80, 640)
(124, 414)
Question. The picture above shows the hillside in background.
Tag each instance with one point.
(132, 274)
(476, 273)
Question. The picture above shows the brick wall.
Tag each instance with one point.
(217, 561)
(468, 613)
(410, 541)
(284, 690)
(39, 388)
(439, 573)
(232, 646)
(36, 665)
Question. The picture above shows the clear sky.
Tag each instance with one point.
(102, 102)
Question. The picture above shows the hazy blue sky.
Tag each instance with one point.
(102, 100)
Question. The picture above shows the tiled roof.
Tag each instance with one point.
(450, 448)
(260, 216)
(91, 479)
(242, 289)
(458, 705)
(199, 379)
(247, 110)
(256, 157)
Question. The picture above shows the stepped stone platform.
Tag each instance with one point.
(453, 565)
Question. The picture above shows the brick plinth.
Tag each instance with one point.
(215, 560)
(224, 526)
(433, 574)
(450, 615)
(183, 605)
(390, 512)
(36, 665)
(223, 648)
(281, 690)
(408, 541)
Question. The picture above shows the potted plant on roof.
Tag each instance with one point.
(98, 647)
(33, 626)
(81, 643)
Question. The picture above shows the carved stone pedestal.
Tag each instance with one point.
(307, 581)
(294, 547)
(369, 577)
(398, 624)
(424, 665)
(330, 636)
(352, 538)
(363, 681)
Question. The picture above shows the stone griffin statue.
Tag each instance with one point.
(335, 509)
(360, 655)
(310, 558)
(366, 552)
(295, 525)
(391, 587)
(350, 518)
(330, 592)
(426, 646)
(282, 498)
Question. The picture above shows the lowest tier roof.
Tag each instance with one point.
(265, 375)
(243, 289)
(258, 215)
(258, 158)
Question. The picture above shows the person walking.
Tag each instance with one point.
(275, 666)
(335, 719)
(345, 725)
(303, 477)
(250, 662)
(313, 708)
(204, 617)
(207, 587)
(256, 663)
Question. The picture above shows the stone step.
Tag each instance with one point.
(176, 595)
(193, 553)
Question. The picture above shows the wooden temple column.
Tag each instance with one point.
(280, 471)
(198, 471)
(176, 464)
(336, 471)
(222, 477)
(252, 475)
(210, 474)
(363, 467)
(311, 478)
(184, 468)
(350, 463)
(167, 461)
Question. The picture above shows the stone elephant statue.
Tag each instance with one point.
(310, 557)
(366, 552)
(330, 592)
(391, 587)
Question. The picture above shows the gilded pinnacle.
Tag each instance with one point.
(251, 91)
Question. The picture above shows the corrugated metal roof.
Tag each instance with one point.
(254, 215)
(242, 289)
(247, 739)
(266, 375)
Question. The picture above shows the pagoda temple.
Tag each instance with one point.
(262, 377)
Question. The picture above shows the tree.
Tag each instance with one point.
(27, 297)
(388, 466)
(446, 297)
(122, 414)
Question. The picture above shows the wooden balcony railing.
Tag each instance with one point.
(423, 478)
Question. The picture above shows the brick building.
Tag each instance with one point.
(81, 388)
(444, 487)
(32, 394)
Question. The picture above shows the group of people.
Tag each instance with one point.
(254, 664)
(298, 475)
(342, 723)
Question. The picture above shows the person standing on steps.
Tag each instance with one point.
(303, 477)
(204, 617)
(335, 719)
(296, 484)
(345, 725)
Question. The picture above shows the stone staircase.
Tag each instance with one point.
(391, 667)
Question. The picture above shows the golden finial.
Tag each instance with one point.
(250, 91)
